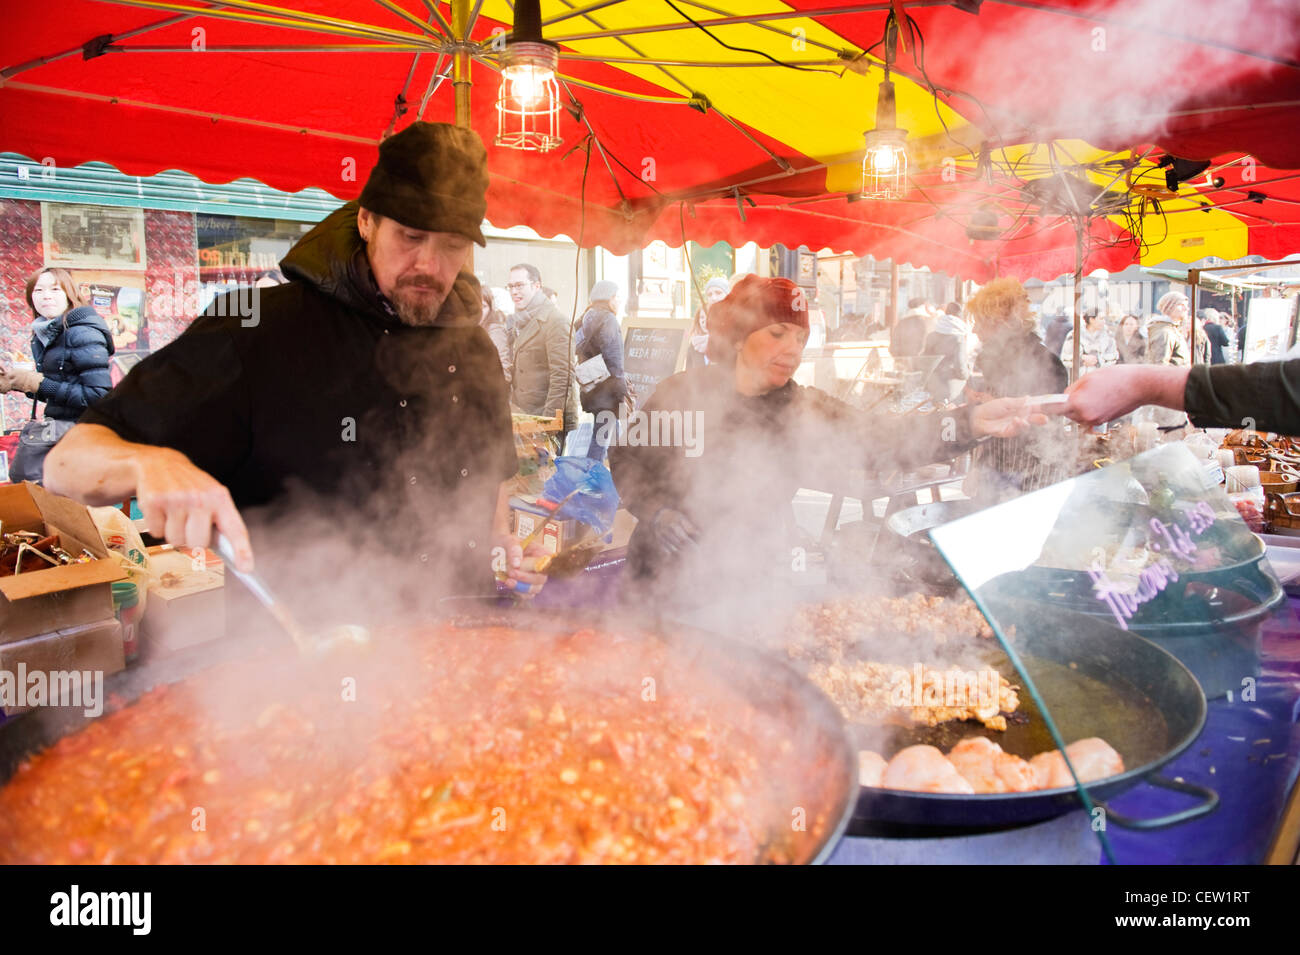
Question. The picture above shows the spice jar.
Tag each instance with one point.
(127, 609)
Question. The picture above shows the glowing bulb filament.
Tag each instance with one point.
(883, 159)
(528, 84)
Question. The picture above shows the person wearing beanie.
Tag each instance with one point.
(599, 333)
(357, 413)
(715, 290)
(1167, 344)
(1166, 335)
(714, 506)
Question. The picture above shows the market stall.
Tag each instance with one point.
(1097, 669)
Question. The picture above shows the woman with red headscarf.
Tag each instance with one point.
(714, 465)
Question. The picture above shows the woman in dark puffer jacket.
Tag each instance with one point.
(71, 345)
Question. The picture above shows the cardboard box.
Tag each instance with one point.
(621, 532)
(96, 647)
(164, 558)
(526, 514)
(56, 598)
(185, 608)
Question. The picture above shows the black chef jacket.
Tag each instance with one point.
(362, 437)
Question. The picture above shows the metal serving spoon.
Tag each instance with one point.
(349, 635)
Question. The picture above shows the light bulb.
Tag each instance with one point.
(528, 84)
(883, 160)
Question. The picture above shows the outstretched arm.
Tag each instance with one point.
(181, 502)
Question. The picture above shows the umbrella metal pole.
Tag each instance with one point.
(460, 77)
(460, 24)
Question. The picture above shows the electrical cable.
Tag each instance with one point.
(690, 269)
(744, 49)
(577, 289)
(918, 57)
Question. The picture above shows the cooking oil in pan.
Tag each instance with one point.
(1082, 706)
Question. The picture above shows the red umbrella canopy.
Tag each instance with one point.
(680, 117)
(1028, 211)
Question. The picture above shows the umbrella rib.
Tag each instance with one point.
(400, 103)
(768, 26)
(300, 21)
(433, 11)
(755, 18)
(473, 19)
(781, 163)
(412, 18)
(617, 36)
(580, 11)
(435, 81)
(272, 48)
(596, 139)
(41, 61)
(1172, 34)
(1119, 175)
(728, 190)
(140, 104)
(626, 94)
(712, 64)
(1222, 205)
(566, 81)
(588, 85)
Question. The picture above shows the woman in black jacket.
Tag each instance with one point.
(71, 345)
(711, 464)
(1014, 361)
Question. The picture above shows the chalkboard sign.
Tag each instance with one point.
(651, 352)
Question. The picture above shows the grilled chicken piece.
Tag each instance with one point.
(988, 769)
(1093, 759)
(871, 767)
(867, 692)
(924, 769)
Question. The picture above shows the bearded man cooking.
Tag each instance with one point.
(360, 405)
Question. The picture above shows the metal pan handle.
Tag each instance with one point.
(1210, 802)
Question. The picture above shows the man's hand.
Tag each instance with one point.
(181, 503)
(1089, 361)
(1004, 418)
(674, 531)
(521, 575)
(1113, 392)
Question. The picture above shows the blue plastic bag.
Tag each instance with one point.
(596, 500)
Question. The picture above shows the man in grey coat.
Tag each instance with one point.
(543, 379)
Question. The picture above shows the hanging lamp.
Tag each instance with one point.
(884, 167)
(528, 103)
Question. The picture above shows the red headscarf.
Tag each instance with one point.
(754, 303)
